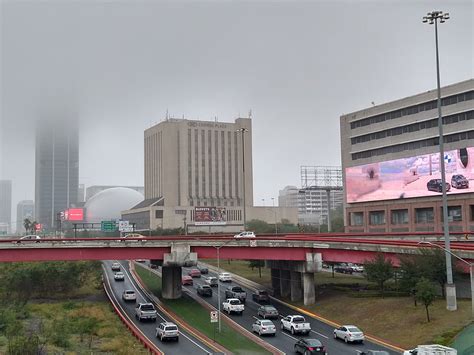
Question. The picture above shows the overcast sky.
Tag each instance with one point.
(118, 66)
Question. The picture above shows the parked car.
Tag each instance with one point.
(233, 305)
(167, 330)
(437, 185)
(187, 280)
(204, 270)
(236, 292)
(310, 346)
(245, 235)
(260, 296)
(115, 267)
(344, 269)
(225, 277)
(129, 295)
(295, 324)
(194, 273)
(459, 181)
(145, 311)
(349, 333)
(211, 281)
(264, 326)
(267, 311)
(204, 290)
(29, 238)
(119, 276)
(358, 268)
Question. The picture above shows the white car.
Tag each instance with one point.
(211, 281)
(167, 330)
(349, 333)
(119, 276)
(29, 238)
(133, 237)
(115, 267)
(225, 277)
(129, 295)
(245, 235)
(264, 326)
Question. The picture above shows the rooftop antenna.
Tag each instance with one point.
(167, 115)
(250, 113)
(215, 118)
(373, 103)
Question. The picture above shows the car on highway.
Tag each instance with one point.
(115, 267)
(186, 280)
(344, 269)
(459, 181)
(225, 277)
(211, 281)
(244, 234)
(295, 324)
(260, 296)
(233, 305)
(129, 295)
(436, 185)
(264, 326)
(167, 330)
(29, 238)
(119, 276)
(133, 238)
(204, 290)
(194, 273)
(267, 311)
(204, 270)
(358, 268)
(310, 346)
(144, 311)
(349, 333)
(236, 292)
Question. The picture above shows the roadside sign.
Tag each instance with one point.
(253, 243)
(108, 226)
(124, 226)
(214, 318)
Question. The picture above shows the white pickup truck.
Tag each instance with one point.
(233, 305)
(295, 324)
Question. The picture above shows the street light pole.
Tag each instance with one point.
(471, 271)
(218, 249)
(274, 211)
(432, 18)
(242, 131)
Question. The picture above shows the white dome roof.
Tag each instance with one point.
(108, 204)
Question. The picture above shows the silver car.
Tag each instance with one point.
(167, 330)
(264, 326)
(349, 333)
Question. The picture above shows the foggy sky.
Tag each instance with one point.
(117, 67)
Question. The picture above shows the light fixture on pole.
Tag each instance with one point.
(218, 249)
(451, 302)
(471, 271)
(242, 131)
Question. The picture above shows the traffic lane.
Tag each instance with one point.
(319, 329)
(185, 345)
(282, 340)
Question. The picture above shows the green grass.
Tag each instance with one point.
(199, 318)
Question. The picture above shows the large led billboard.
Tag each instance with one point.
(418, 176)
(210, 216)
(74, 214)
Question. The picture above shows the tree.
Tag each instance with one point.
(433, 267)
(379, 270)
(27, 225)
(259, 226)
(257, 263)
(426, 294)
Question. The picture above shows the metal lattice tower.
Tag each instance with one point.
(321, 177)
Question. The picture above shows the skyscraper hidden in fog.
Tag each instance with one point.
(56, 169)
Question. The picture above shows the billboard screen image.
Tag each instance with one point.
(417, 176)
(210, 216)
(74, 214)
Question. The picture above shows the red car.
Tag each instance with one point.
(194, 273)
(187, 280)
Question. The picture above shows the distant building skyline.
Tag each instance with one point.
(56, 169)
(24, 209)
(6, 204)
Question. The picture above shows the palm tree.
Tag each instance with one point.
(27, 224)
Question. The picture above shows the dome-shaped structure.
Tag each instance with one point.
(108, 204)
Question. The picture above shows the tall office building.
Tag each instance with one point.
(57, 170)
(24, 209)
(6, 204)
(391, 163)
(81, 192)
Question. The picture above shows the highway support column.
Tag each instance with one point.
(309, 296)
(285, 283)
(296, 286)
(171, 282)
(275, 275)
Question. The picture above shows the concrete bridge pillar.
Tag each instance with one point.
(275, 275)
(171, 282)
(309, 296)
(285, 283)
(296, 286)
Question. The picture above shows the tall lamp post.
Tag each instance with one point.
(242, 131)
(432, 18)
(274, 211)
(471, 271)
(218, 249)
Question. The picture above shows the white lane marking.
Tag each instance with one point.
(288, 335)
(180, 332)
(319, 334)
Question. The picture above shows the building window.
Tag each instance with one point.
(472, 212)
(454, 214)
(357, 218)
(399, 216)
(424, 215)
(376, 218)
(159, 214)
